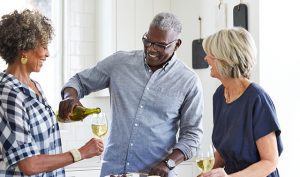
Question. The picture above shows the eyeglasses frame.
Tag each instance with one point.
(157, 44)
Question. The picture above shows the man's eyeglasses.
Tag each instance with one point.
(156, 45)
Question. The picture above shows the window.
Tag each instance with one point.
(50, 75)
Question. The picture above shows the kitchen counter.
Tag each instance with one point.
(91, 167)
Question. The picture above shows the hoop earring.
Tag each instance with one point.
(24, 60)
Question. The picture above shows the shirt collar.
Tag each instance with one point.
(170, 62)
(11, 81)
(167, 65)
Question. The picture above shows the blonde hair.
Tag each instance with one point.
(234, 50)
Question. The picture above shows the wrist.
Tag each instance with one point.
(76, 155)
(170, 163)
(69, 92)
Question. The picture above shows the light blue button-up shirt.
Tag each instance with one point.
(148, 109)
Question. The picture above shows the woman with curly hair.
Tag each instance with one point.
(29, 133)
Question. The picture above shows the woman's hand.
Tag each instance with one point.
(218, 172)
(92, 148)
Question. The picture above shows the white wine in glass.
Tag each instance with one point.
(205, 158)
(99, 125)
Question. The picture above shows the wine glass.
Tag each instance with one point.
(205, 158)
(99, 127)
(99, 124)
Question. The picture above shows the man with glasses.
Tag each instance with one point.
(153, 96)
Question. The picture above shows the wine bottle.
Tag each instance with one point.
(78, 114)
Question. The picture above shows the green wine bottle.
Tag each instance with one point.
(78, 114)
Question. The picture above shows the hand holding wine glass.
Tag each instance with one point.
(205, 158)
(99, 124)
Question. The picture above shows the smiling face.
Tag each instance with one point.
(154, 40)
(36, 58)
(212, 61)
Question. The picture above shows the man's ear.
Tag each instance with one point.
(178, 43)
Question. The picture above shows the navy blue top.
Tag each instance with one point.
(238, 125)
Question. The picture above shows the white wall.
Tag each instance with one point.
(280, 73)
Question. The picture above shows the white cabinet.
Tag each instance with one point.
(133, 18)
(83, 173)
(91, 168)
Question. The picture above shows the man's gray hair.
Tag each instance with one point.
(167, 21)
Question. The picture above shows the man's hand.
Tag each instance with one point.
(68, 103)
(66, 106)
(160, 169)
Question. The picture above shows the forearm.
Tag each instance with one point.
(219, 162)
(260, 169)
(177, 156)
(267, 148)
(45, 163)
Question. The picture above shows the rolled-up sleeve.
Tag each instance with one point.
(90, 80)
(17, 141)
(191, 130)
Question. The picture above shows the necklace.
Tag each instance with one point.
(234, 93)
(231, 97)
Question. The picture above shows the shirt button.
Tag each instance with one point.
(147, 88)
(127, 163)
(136, 124)
(141, 106)
(149, 70)
(131, 144)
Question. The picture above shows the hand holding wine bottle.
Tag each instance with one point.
(205, 158)
(67, 105)
(78, 114)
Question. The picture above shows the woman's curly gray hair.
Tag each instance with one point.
(23, 31)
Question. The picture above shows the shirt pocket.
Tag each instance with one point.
(165, 102)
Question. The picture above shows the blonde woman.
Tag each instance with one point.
(246, 131)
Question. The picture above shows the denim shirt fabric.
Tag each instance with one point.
(148, 109)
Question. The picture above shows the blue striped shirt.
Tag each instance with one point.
(27, 127)
(148, 109)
